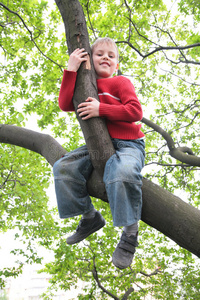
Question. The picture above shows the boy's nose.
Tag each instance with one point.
(105, 56)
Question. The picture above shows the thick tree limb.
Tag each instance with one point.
(161, 209)
(94, 130)
(40, 143)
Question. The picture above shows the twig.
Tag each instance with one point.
(30, 33)
(88, 15)
(151, 274)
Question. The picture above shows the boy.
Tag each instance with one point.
(120, 107)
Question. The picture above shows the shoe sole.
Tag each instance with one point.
(120, 266)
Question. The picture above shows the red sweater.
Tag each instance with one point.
(119, 104)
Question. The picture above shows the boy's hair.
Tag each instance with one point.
(105, 40)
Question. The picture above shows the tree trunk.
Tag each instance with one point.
(161, 209)
(94, 130)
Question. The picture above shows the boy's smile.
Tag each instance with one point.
(105, 63)
(105, 60)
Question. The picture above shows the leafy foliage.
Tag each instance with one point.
(152, 37)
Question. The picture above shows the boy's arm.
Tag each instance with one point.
(67, 91)
(128, 109)
(69, 79)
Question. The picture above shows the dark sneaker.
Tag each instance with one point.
(86, 227)
(124, 252)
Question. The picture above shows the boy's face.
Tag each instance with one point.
(105, 58)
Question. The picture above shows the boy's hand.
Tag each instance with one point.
(89, 108)
(76, 58)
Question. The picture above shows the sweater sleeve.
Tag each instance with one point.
(128, 109)
(67, 91)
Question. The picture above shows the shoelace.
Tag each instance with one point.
(80, 224)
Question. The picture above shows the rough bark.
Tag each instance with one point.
(94, 130)
(172, 216)
(161, 209)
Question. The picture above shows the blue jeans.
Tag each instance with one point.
(122, 178)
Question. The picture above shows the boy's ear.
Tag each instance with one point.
(116, 70)
(117, 67)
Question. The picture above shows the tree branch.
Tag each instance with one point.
(179, 152)
(128, 292)
(161, 48)
(6, 178)
(157, 271)
(88, 16)
(157, 46)
(40, 143)
(171, 38)
(161, 209)
(95, 275)
(167, 71)
(30, 33)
